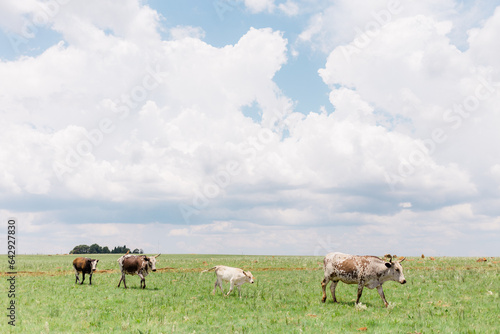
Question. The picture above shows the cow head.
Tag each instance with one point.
(151, 262)
(249, 277)
(93, 264)
(395, 271)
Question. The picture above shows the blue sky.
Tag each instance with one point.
(252, 126)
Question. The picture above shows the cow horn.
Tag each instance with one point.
(390, 258)
(402, 259)
(157, 255)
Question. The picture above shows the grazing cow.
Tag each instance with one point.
(136, 265)
(85, 266)
(234, 276)
(369, 271)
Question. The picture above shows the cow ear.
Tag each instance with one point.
(388, 265)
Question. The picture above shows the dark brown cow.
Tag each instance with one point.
(136, 265)
(85, 266)
(369, 271)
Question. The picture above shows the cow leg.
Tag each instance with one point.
(332, 289)
(324, 283)
(231, 286)
(218, 283)
(221, 288)
(76, 275)
(239, 291)
(90, 279)
(381, 293)
(361, 285)
(215, 287)
(83, 277)
(143, 281)
(122, 279)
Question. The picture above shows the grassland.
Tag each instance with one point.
(444, 295)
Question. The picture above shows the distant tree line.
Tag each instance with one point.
(96, 249)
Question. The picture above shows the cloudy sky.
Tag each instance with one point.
(252, 126)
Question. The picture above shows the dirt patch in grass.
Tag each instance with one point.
(52, 273)
(164, 269)
(36, 273)
(476, 266)
(486, 268)
(285, 269)
(106, 271)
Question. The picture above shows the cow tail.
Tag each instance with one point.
(213, 268)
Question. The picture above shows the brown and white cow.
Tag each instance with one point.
(369, 271)
(136, 265)
(85, 266)
(235, 276)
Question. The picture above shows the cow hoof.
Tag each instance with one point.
(323, 300)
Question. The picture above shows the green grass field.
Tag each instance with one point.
(445, 295)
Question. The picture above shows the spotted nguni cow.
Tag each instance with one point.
(369, 271)
(136, 265)
(85, 266)
(235, 276)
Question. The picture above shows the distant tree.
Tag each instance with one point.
(80, 249)
(95, 249)
(120, 250)
(141, 251)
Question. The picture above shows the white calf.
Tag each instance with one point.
(235, 276)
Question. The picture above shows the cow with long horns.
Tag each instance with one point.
(365, 271)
